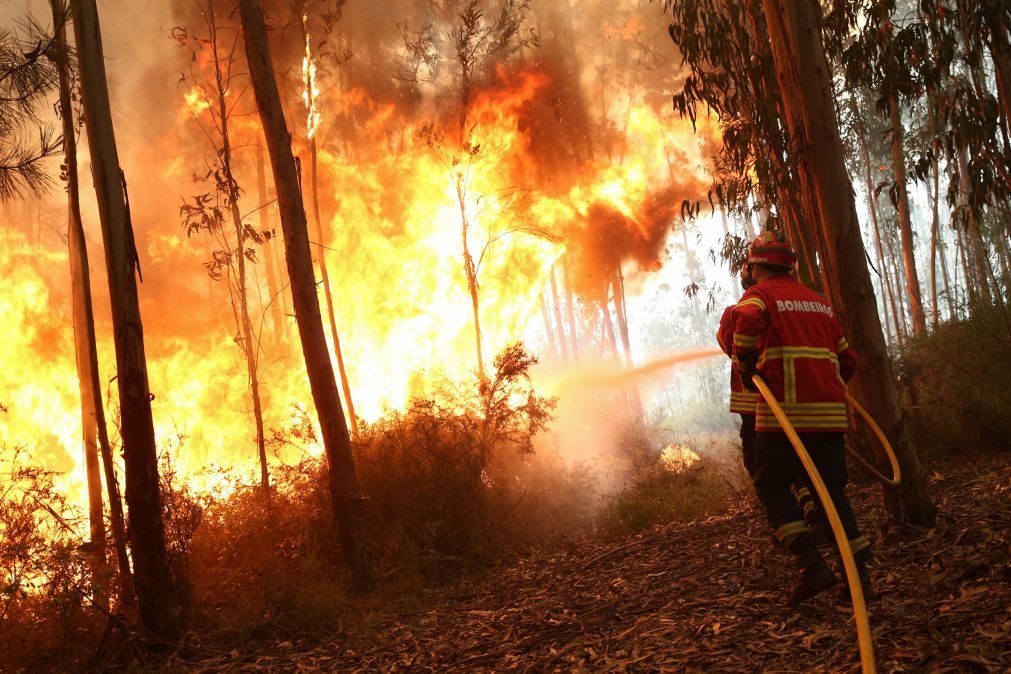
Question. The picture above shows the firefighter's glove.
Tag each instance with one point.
(747, 365)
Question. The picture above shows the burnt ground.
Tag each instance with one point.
(706, 596)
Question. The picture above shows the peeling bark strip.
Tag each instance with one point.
(345, 500)
(159, 611)
(80, 291)
(808, 102)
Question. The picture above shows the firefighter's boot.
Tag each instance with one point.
(815, 574)
(814, 517)
(863, 558)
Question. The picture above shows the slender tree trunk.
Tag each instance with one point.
(159, 610)
(805, 81)
(872, 207)
(310, 101)
(345, 498)
(933, 193)
(618, 286)
(276, 300)
(948, 287)
(905, 219)
(977, 252)
(470, 271)
(618, 283)
(250, 346)
(609, 330)
(83, 316)
(556, 306)
(570, 312)
(548, 330)
(894, 257)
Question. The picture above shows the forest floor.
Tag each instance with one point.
(707, 596)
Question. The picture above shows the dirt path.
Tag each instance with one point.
(707, 597)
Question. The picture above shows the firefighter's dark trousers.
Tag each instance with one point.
(777, 467)
(748, 442)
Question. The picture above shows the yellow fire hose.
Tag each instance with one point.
(868, 468)
(849, 563)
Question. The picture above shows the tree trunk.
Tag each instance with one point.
(905, 220)
(276, 314)
(995, 13)
(470, 271)
(159, 610)
(933, 193)
(96, 433)
(83, 316)
(609, 330)
(346, 502)
(250, 346)
(948, 287)
(808, 98)
(345, 384)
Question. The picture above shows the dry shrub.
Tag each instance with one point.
(954, 380)
(256, 569)
(452, 483)
(666, 480)
(47, 618)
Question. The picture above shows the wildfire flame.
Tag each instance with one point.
(310, 91)
(400, 291)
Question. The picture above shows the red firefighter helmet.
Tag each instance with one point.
(772, 248)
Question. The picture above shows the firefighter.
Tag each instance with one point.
(789, 335)
(744, 403)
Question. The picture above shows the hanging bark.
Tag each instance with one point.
(905, 220)
(159, 610)
(345, 384)
(310, 100)
(249, 345)
(83, 317)
(345, 499)
(276, 301)
(808, 98)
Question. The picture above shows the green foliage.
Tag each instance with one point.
(955, 381)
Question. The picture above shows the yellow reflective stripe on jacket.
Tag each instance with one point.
(842, 345)
(754, 301)
(775, 352)
(801, 408)
(745, 341)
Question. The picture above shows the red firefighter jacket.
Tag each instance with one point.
(742, 401)
(802, 354)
